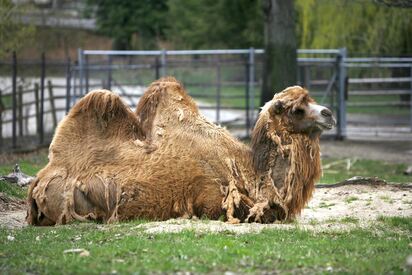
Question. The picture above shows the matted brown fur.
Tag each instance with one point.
(166, 160)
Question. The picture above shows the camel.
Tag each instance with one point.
(165, 160)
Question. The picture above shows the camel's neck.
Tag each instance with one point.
(288, 165)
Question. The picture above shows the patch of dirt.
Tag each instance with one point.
(12, 212)
(11, 204)
(337, 208)
(362, 202)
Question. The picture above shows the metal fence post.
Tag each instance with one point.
(52, 103)
(14, 98)
(81, 70)
(247, 95)
(86, 73)
(37, 107)
(1, 118)
(42, 78)
(109, 75)
(342, 97)
(163, 63)
(218, 90)
(20, 109)
(252, 85)
(157, 67)
(68, 86)
(75, 77)
(410, 99)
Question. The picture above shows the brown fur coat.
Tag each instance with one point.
(166, 161)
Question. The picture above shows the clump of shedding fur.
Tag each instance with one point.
(166, 161)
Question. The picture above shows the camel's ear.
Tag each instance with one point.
(277, 108)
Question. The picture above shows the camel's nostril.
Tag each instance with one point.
(326, 112)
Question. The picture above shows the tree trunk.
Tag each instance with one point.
(280, 63)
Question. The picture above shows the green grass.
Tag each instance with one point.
(30, 164)
(387, 199)
(325, 205)
(232, 96)
(351, 199)
(126, 249)
(381, 110)
(366, 99)
(391, 172)
(7, 101)
(349, 220)
(13, 190)
(403, 223)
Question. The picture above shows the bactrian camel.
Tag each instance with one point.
(166, 160)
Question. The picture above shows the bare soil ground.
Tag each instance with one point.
(12, 212)
(357, 205)
(339, 208)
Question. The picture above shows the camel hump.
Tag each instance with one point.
(100, 103)
(162, 97)
(95, 126)
(105, 110)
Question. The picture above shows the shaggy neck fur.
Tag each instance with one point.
(287, 163)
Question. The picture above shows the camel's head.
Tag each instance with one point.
(298, 113)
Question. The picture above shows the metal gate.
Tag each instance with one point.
(379, 100)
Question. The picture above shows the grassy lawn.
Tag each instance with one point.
(123, 248)
(232, 96)
(336, 170)
(30, 164)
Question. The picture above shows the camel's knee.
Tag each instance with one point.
(35, 214)
(96, 199)
(46, 201)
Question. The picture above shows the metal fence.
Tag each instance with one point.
(226, 82)
(379, 98)
(371, 97)
(213, 77)
(30, 101)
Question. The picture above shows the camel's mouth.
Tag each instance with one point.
(325, 125)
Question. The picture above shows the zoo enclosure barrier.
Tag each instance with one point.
(379, 96)
(226, 84)
(30, 102)
(225, 81)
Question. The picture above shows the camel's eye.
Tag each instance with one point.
(299, 112)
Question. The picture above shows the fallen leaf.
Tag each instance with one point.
(85, 254)
(82, 252)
